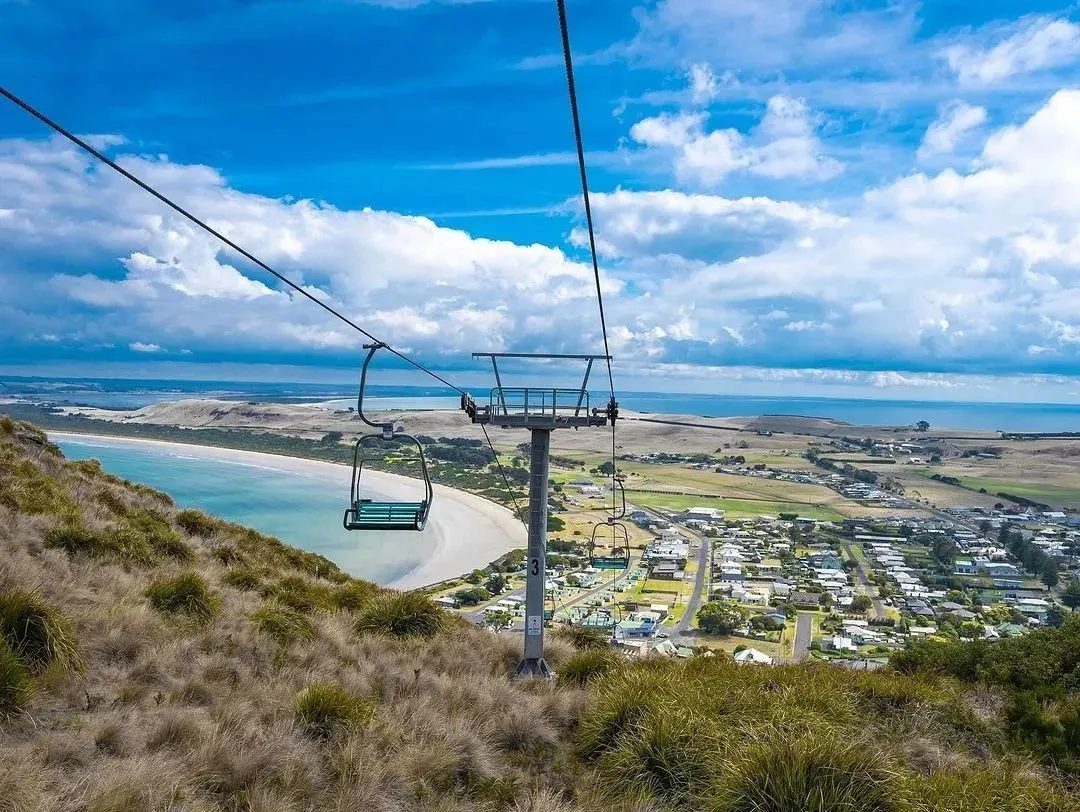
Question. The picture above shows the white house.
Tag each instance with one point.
(838, 643)
(753, 657)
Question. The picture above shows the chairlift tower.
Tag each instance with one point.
(540, 410)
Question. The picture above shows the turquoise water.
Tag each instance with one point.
(300, 510)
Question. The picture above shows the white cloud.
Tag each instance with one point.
(181, 287)
(630, 223)
(954, 124)
(784, 145)
(139, 346)
(703, 83)
(965, 269)
(943, 271)
(1034, 44)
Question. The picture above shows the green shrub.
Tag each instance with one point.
(187, 594)
(585, 666)
(283, 624)
(354, 595)
(37, 632)
(198, 523)
(242, 577)
(325, 711)
(7, 425)
(16, 686)
(821, 772)
(401, 614)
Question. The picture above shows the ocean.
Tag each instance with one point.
(298, 509)
(131, 394)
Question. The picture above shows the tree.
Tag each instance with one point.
(498, 620)
(496, 583)
(1056, 616)
(555, 524)
(471, 597)
(1070, 596)
(861, 604)
(721, 617)
(1049, 574)
(922, 425)
(825, 599)
(606, 468)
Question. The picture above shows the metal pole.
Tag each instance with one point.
(533, 664)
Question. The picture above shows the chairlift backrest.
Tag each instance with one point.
(365, 513)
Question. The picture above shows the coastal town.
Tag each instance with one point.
(771, 589)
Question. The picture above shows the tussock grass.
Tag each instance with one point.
(819, 773)
(160, 536)
(990, 787)
(37, 632)
(354, 595)
(378, 700)
(402, 615)
(16, 686)
(300, 595)
(242, 577)
(197, 523)
(175, 730)
(283, 624)
(585, 666)
(325, 711)
(582, 638)
(187, 595)
(75, 538)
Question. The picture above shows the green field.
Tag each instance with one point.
(1037, 491)
(733, 508)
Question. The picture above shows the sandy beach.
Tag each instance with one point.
(469, 531)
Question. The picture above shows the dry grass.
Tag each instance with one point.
(334, 694)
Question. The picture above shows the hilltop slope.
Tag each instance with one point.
(157, 658)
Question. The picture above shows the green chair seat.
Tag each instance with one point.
(366, 515)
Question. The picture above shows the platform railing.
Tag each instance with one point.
(538, 402)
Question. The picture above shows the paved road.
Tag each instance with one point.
(477, 617)
(864, 582)
(704, 561)
(803, 631)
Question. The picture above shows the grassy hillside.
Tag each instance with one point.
(153, 658)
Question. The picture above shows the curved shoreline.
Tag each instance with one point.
(469, 531)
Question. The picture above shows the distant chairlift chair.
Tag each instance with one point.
(368, 514)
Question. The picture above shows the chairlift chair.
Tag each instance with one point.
(620, 553)
(365, 513)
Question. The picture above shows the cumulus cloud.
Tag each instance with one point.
(955, 123)
(111, 248)
(139, 346)
(975, 269)
(784, 145)
(1036, 43)
(956, 270)
(697, 226)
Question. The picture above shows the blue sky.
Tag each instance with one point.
(791, 195)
